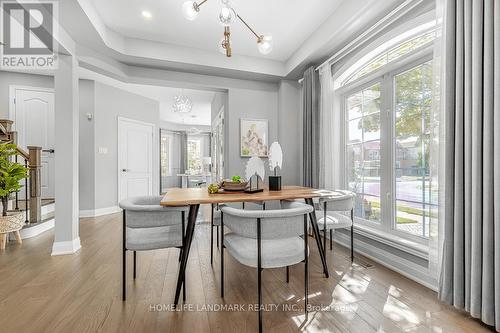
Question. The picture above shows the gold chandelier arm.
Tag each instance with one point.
(259, 38)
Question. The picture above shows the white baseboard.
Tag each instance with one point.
(36, 229)
(389, 260)
(66, 247)
(100, 211)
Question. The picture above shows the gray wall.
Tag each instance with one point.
(289, 127)
(280, 105)
(111, 103)
(9, 78)
(87, 146)
(246, 103)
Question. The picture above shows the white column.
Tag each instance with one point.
(67, 240)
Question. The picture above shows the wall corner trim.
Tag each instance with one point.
(66, 247)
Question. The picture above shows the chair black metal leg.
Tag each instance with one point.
(287, 274)
(259, 272)
(306, 266)
(331, 239)
(184, 289)
(324, 225)
(183, 219)
(124, 258)
(222, 255)
(352, 235)
(193, 212)
(218, 235)
(317, 236)
(212, 236)
(135, 264)
(183, 226)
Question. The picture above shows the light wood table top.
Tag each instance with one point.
(196, 196)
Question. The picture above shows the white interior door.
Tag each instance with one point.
(33, 114)
(135, 158)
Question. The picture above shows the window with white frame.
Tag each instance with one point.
(387, 103)
(194, 156)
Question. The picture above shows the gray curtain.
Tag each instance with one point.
(311, 128)
(184, 152)
(470, 273)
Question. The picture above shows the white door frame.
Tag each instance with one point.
(12, 96)
(153, 149)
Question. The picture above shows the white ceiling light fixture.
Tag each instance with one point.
(227, 17)
(147, 15)
(182, 103)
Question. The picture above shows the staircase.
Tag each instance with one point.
(32, 203)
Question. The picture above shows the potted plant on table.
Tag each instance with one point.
(11, 173)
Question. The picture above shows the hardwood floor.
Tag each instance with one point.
(82, 292)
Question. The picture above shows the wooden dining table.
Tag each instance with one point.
(194, 197)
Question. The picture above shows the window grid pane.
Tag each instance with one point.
(363, 149)
(392, 54)
(414, 199)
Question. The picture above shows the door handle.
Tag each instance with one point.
(52, 151)
(124, 170)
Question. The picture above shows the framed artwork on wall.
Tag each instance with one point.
(254, 137)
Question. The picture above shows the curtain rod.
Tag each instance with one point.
(379, 25)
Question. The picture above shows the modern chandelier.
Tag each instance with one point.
(182, 103)
(227, 16)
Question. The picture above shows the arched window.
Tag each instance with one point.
(390, 51)
(393, 54)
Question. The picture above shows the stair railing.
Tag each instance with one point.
(32, 184)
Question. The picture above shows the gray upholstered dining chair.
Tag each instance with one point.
(215, 223)
(332, 215)
(149, 226)
(266, 239)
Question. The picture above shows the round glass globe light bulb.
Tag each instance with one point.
(265, 45)
(189, 10)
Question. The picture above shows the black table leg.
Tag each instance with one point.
(314, 224)
(193, 213)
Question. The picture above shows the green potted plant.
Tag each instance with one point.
(11, 173)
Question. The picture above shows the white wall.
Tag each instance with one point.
(111, 103)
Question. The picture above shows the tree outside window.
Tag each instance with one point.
(195, 165)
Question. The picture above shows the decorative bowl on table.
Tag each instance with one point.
(229, 185)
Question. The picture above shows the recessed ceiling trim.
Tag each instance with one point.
(175, 53)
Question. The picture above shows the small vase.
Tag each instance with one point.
(274, 183)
